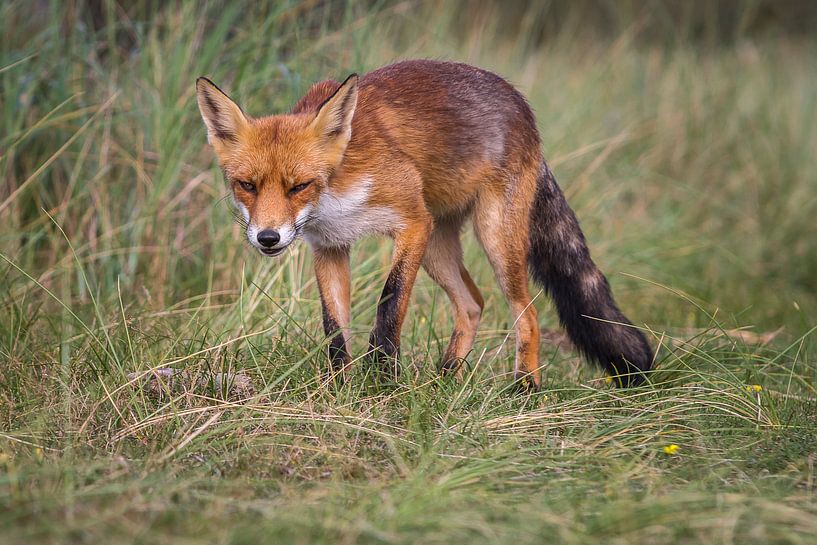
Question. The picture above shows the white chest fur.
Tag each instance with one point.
(339, 219)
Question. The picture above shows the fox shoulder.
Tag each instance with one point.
(316, 96)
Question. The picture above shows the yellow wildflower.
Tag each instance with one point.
(38, 454)
(671, 449)
(754, 388)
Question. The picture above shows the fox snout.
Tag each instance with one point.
(268, 238)
(270, 241)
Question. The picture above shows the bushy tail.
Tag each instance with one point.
(560, 261)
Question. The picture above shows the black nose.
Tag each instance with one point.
(268, 238)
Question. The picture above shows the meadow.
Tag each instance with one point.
(688, 156)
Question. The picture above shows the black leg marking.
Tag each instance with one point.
(385, 338)
(338, 356)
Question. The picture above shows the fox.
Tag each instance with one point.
(411, 151)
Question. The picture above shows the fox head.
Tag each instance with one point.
(277, 166)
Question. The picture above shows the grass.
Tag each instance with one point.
(691, 165)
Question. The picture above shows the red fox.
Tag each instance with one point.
(411, 151)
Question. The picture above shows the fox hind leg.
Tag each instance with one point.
(502, 229)
(443, 263)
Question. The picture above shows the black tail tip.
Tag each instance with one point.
(632, 379)
(631, 372)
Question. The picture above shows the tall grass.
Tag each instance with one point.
(689, 162)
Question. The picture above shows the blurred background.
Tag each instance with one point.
(682, 132)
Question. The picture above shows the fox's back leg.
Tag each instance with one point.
(443, 262)
(501, 221)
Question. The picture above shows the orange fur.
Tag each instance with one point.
(409, 151)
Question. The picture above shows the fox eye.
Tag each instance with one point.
(300, 187)
(247, 186)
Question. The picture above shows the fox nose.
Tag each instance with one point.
(268, 238)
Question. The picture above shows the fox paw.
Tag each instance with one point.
(385, 365)
(525, 384)
(337, 377)
(452, 367)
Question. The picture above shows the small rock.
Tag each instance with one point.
(159, 382)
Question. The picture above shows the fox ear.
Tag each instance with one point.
(223, 117)
(334, 118)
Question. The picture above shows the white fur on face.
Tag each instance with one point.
(252, 230)
(287, 231)
(252, 235)
(241, 208)
(342, 218)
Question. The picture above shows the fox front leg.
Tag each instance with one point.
(409, 247)
(333, 275)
